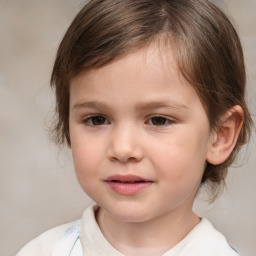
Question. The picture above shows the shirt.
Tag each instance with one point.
(88, 240)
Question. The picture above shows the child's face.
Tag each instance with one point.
(139, 137)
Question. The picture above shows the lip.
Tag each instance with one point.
(127, 184)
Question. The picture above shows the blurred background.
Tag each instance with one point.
(38, 188)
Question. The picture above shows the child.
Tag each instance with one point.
(150, 99)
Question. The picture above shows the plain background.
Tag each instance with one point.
(38, 188)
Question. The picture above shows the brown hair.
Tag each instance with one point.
(206, 46)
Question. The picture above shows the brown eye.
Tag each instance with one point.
(158, 120)
(97, 120)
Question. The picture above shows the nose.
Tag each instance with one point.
(125, 145)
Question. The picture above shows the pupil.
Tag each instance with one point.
(158, 120)
(98, 120)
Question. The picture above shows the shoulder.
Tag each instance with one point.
(227, 250)
(213, 242)
(203, 240)
(43, 245)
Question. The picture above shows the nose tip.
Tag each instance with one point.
(124, 156)
(124, 148)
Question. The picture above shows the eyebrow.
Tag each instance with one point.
(91, 104)
(140, 106)
(160, 104)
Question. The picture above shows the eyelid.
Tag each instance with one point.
(168, 118)
(86, 119)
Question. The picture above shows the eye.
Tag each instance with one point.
(96, 120)
(159, 121)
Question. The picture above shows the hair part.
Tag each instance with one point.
(205, 44)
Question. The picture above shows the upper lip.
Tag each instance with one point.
(126, 178)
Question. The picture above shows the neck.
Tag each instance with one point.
(152, 237)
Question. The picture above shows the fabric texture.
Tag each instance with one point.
(85, 238)
(69, 244)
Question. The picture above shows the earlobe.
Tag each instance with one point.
(225, 135)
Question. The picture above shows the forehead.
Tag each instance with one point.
(150, 73)
(152, 61)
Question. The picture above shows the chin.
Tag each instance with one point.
(128, 213)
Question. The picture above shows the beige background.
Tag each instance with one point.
(38, 189)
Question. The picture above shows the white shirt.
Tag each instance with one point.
(203, 240)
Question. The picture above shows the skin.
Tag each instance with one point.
(128, 138)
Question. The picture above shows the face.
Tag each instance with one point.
(139, 137)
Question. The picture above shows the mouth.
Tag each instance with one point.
(127, 184)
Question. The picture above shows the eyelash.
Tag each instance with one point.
(89, 120)
(165, 121)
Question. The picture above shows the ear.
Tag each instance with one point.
(225, 135)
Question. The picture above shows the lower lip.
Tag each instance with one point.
(128, 188)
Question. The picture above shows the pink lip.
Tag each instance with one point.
(127, 184)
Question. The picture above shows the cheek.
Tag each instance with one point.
(180, 176)
(180, 161)
(85, 163)
(86, 157)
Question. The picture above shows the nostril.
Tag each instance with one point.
(124, 147)
(125, 156)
